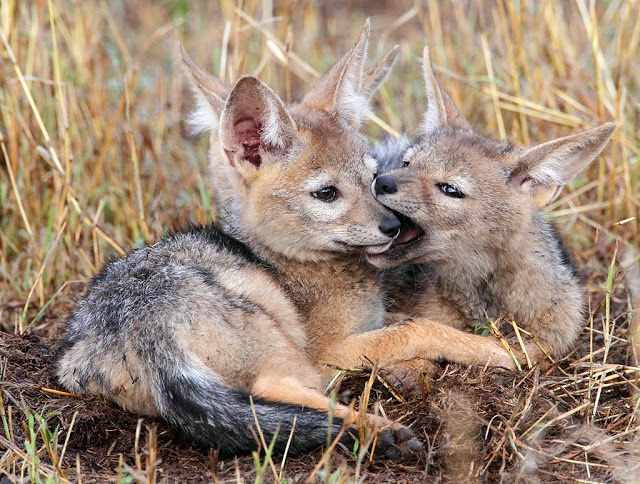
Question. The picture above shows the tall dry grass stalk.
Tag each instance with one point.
(91, 108)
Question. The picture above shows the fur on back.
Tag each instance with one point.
(169, 331)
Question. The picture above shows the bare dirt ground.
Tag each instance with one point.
(486, 424)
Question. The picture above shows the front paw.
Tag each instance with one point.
(398, 443)
(410, 379)
(511, 360)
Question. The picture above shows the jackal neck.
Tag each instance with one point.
(325, 282)
(335, 298)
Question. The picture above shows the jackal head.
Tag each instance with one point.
(301, 172)
(461, 194)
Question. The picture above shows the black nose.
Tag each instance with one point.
(385, 185)
(390, 227)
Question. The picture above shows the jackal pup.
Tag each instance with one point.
(191, 327)
(471, 212)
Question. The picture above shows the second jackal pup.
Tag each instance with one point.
(471, 209)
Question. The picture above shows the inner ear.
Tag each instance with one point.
(254, 122)
(543, 170)
(247, 132)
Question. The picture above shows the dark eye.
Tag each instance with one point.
(450, 190)
(405, 164)
(326, 194)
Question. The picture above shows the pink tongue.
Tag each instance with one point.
(406, 234)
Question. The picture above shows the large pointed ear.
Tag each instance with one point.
(376, 76)
(338, 92)
(254, 123)
(441, 110)
(543, 170)
(210, 94)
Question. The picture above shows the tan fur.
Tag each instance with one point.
(489, 252)
(211, 94)
(317, 248)
(190, 328)
(193, 327)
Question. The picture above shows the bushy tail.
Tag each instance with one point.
(204, 411)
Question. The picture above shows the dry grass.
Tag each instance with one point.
(94, 160)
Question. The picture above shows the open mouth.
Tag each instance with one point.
(402, 249)
(409, 231)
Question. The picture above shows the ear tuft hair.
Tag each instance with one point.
(339, 92)
(441, 110)
(203, 118)
(373, 79)
(209, 95)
